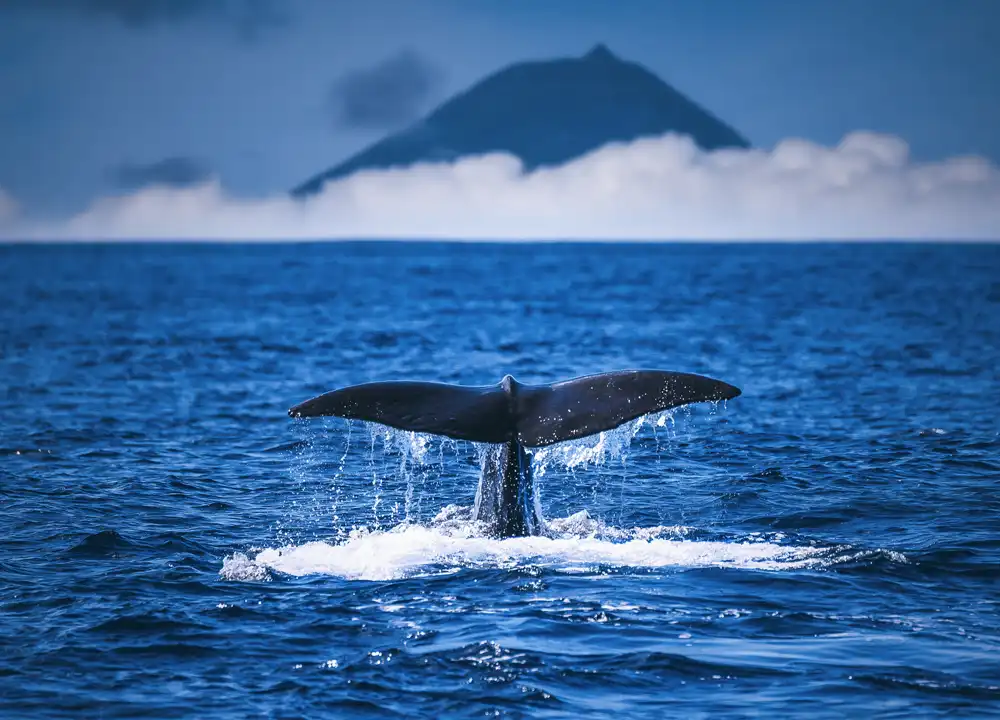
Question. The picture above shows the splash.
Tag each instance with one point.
(389, 486)
(596, 449)
(364, 472)
(412, 452)
(575, 543)
(401, 545)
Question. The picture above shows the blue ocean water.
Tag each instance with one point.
(825, 545)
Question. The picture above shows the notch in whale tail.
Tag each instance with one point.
(536, 415)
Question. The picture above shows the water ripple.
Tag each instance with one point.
(174, 546)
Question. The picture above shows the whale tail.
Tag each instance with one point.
(534, 415)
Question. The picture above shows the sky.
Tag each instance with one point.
(251, 97)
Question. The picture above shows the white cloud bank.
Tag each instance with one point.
(660, 188)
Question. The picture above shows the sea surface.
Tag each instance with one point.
(174, 546)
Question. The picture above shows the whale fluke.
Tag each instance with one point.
(534, 415)
(548, 414)
(479, 414)
(515, 416)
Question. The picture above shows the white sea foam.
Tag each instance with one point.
(453, 543)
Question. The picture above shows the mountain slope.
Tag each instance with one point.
(545, 113)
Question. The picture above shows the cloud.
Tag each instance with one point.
(247, 15)
(387, 95)
(174, 172)
(659, 188)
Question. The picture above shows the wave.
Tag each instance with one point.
(106, 542)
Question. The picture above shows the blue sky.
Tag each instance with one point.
(95, 95)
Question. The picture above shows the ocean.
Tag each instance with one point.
(175, 546)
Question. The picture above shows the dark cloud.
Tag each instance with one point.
(175, 172)
(386, 95)
(246, 15)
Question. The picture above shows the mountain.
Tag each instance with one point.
(545, 113)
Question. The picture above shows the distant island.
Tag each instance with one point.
(545, 113)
